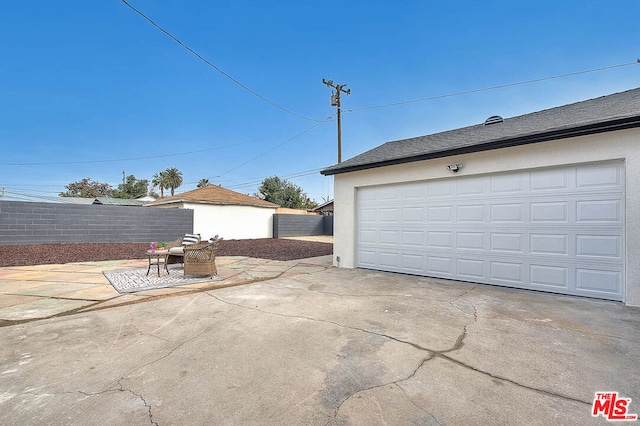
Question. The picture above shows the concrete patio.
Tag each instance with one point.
(43, 291)
(302, 342)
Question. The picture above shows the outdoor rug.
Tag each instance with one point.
(134, 280)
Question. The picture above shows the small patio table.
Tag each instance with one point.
(158, 257)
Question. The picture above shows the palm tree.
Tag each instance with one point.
(203, 182)
(160, 181)
(174, 178)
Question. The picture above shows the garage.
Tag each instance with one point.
(555, 229)
(546, 201)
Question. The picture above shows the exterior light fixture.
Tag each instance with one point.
(455, 168)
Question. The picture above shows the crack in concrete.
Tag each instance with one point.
(121, 386)
(92, 394)
(513, 382)
(413, 402)
(433, 353)
(141, 399)
(459, 343)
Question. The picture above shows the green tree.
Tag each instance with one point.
(284, 193)
(132, 188)
(203, 182)
(174, 178)
(161, 182)
(87, 188)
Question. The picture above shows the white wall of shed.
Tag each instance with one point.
(231, 222)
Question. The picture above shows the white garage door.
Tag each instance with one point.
(558, 229)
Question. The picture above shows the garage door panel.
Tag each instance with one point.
(599, 211)
(471, 269)
(413, 191)
(598, 176)
(471, 213)
(598, 280)
(440, 266)
(440, 240)
(599, 246)
(557, 211)
(507, 213)
(549, 180)
(559, 229)
(506, 272)
(512, 242)
(549, 244)
(469, 188)
(389, 215)
(471, 241)
(414, 239)
(390, 259)
(549, 276)
(440, 188)
(442, 214)
(368, 258)
(389, 238)
(413, 215)
(413, 262)
(501, 184)
(369, 236)
(388, 193)
(368, 215)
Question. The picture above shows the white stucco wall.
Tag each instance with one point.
(232, 222)
(621, 145)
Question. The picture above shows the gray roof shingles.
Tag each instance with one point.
(606, 113)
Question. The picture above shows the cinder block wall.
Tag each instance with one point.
(294, 225)
(40, 223)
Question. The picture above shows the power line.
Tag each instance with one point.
(502, 86)
(200, 57)
(293, 176)
(275, 147)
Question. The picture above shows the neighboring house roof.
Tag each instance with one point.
(8, 195)
(321, 206)
(118, 201)
(213, 194)
(607, 113)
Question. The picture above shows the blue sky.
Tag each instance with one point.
(92, 89)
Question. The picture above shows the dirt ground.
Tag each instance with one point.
(265, 248)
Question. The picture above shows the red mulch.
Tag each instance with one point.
(264, 248)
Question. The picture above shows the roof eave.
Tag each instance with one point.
(590, 129)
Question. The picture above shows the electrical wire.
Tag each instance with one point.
(200, 57)
(275, 147)
(293, 176)
(485, 89)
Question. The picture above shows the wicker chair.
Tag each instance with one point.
(176, 256)
(200, 258)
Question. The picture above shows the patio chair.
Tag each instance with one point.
(176, 248)
(200, 258)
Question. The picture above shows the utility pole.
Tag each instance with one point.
(335, 101)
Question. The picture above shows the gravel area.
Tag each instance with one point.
(265, 248)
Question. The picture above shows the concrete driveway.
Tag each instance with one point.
(330, 346)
